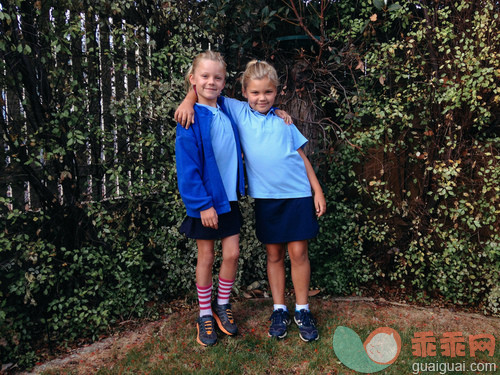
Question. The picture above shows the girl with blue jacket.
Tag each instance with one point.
(210, 179)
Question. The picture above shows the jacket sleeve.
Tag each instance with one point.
(189, 163)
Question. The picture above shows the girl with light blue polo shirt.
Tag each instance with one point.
(288, 196)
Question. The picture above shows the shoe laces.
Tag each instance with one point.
(229, 314)
(277, 316)
(305, 318)
(208, 326)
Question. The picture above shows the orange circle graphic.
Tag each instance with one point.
(383, 345)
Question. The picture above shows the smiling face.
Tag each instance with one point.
(260, 94)
(208, 79)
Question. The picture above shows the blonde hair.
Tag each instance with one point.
(257, 69)
(207, 55)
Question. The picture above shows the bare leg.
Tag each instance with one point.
(230, 255)
(204, 262)
(276, 271)
(301, 270)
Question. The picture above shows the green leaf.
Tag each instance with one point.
(379, 4)
(394, 7)
(265, 11)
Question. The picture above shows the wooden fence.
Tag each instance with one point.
(107, 57)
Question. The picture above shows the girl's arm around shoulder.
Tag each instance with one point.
(184, 113)
(284, 115)
(231, 106)
(319, 197)
(234, 106)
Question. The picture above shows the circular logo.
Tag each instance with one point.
(379, 351)
(383, 345)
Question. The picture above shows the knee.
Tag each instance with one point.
(275, 258)
(206, 260)
(299, 257)
(231, 255)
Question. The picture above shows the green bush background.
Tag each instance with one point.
(399, 99)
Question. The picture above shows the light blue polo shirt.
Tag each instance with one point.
(224, 146)
(275, 169)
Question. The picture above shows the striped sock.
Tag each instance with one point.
(205, 299)
(224, 291)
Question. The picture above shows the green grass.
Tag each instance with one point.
(172, 347)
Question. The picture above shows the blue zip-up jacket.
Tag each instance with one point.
(198, 177)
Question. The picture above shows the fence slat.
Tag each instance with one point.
(97, 176)
(107, 70)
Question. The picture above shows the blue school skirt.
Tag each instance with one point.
(285, 220)
(229, 225)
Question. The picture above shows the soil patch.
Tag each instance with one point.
(352, 311)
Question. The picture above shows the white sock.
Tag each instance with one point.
(302, 307)
(278, 306)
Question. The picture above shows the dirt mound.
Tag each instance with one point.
(353, 311)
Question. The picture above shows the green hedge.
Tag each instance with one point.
(405, 142)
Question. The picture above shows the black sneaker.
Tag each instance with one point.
(224, 317)
(206, 330)
(307, 325)
(280, 320)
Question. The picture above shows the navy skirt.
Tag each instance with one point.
(285, 220)
(229, 225)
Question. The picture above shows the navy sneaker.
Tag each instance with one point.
(307, 325)
(224, 318)
(280, 320)
(206, 330)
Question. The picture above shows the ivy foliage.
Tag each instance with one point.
(439, 114)
(86, 125)
(400, 101)
(413, 177)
